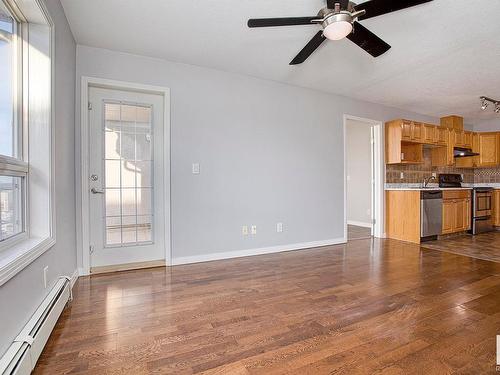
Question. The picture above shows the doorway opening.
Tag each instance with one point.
(363, 178)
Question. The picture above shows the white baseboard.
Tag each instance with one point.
(257, 251)
(74, 277)
(359, 223)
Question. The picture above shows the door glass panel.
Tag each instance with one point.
(144, 224)
(128, 150)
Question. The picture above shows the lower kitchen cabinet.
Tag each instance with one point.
(402, 210)
(496, 208)
(456, 211)
(402, 213)
(449, 210)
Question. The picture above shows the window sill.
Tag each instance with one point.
(14, 259)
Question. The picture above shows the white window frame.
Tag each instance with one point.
(17, 166)
(34, 160)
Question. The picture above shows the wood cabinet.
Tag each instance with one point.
(470, 161)
(442, 135)
(429, 134)
(495, 215)
(488, 149)
(411, 131)
(417, 132)
(453, 122)
(406, 130)
(400, 145)
(404, 141)
(462, 138)
(456, 211)
(458, 138)
(467, 138)
(403, 215)
(443, 156)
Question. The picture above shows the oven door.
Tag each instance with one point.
(482, 204)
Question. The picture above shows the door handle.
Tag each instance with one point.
(96, 191)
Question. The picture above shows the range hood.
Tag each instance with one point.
(460, 152)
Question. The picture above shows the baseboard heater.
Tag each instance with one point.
(22, 355)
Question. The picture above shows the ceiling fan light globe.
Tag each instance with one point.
(337, 30)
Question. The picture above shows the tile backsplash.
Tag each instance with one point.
(415, 173)
(487, 175)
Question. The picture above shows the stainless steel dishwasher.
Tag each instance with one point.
(431, 214)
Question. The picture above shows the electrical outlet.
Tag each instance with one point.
(254, 229)
(279, 227)
(196, 168)
(402, 176)
(244, 230)
(45, 272)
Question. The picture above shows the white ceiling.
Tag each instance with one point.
(445, 54)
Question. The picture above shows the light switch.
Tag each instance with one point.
(254, 229)
(244, 230)
(196, 168)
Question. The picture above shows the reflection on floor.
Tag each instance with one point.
(365, 307)
(355, 233)
(481, 246)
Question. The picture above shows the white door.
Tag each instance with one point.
(126, 153)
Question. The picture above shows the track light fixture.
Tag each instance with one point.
(485, 101)
(484, 104)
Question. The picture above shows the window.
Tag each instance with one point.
(13, 168)
(26, 168)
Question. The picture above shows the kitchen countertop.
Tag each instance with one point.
(427, 188)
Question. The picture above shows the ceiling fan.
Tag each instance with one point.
(339, 20)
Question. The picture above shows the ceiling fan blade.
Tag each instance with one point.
(288, 21)
(368, 40)
(310, 47)
(330, 4)
(376, 8)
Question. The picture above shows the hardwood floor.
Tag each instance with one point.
(367, 307)
(355, 232)
(482, 246)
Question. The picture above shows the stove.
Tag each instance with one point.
(449, 180)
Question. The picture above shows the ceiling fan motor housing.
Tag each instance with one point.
(337, 26)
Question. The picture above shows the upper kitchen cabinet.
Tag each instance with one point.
(429, 133)
(488, 144)
(453, 122)
(411, 131)
(403, 142)
(462, 138)
(471, 161)
(441, 134)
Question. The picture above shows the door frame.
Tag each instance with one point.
(378, 166)
(83, 208)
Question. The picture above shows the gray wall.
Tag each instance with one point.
(22, 294)
(359, 164)
(269, 152)
(492, 125)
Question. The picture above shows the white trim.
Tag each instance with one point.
(359, 224)
(82, 163)
(74, 277)
(378, 163)
(256, 251)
